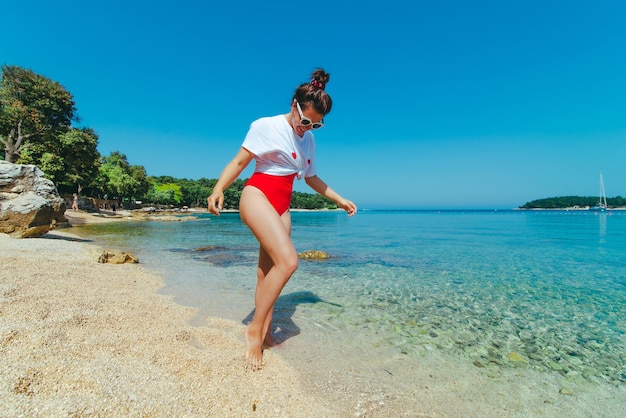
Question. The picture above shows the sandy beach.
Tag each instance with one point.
(80, 338)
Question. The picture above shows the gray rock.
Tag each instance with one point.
(30, 205)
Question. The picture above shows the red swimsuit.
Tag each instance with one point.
(277, 189)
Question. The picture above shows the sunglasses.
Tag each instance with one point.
(304, 121)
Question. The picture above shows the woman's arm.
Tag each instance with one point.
(232, 170)
(322, 188)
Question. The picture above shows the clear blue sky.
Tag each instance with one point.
(437, 104)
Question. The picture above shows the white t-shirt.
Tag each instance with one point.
(278, 150)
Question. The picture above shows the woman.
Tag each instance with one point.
(283, 147)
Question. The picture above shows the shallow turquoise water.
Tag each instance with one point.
(499, 288)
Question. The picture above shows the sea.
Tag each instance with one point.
(497, 290)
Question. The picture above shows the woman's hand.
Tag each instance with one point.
(347, 205)
(322, 188)
(215, 202)
(232, 170)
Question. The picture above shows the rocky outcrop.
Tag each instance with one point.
(30, 205)
(117, 257)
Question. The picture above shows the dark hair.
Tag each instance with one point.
(312, 93)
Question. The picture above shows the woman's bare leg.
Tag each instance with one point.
(265, 265)
(269, 229)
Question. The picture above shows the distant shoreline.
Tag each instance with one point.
(572, 209)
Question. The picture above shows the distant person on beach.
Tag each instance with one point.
(75, 202)
(283, 147)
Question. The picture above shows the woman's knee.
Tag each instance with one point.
(293, 263)
(289, 263)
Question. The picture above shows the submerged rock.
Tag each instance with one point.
(210, 248)
(516, 357)
(172, 218)
(314, 255)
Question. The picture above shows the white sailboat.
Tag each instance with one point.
(601, 206)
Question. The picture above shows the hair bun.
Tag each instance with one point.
(319, 78)
(318, 84)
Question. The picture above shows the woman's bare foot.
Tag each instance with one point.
(254, 350)
(269, 342)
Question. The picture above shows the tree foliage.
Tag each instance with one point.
(165, 194)
(72, 160)
(33, 109)
(118, 179)
(301, 200)
(195, 193)
(563, 202)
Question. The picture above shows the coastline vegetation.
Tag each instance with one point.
(37, 117)
(572, 202)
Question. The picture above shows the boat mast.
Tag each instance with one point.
(602, 192)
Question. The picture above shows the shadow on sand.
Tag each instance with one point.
(283, 326)
(53, 236)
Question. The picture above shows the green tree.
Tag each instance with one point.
(73, 159)
(165, 194)
(301, 200)
(118, 179)
(33, 109)
(198, 191)
(232, 194)
(194, 192)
